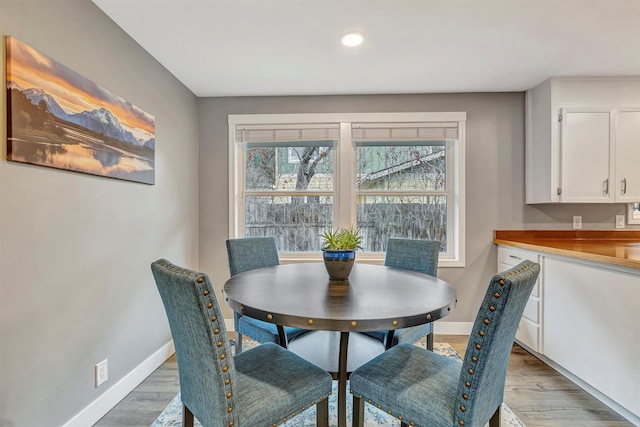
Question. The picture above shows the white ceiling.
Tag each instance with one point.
(291, 47)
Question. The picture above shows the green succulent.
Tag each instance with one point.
(343, 239)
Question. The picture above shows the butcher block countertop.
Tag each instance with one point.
(617, 247)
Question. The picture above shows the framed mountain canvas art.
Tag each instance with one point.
(60, 119)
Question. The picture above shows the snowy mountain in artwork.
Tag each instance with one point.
(99, 120)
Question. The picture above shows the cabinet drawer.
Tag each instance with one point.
(510, 257)
(528, 334)
(536, 287)
(531, 310)
(514, 256)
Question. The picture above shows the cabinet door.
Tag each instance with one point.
(592, 327)
(585, 162)
(627, 149)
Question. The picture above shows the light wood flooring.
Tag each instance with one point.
(539, 395)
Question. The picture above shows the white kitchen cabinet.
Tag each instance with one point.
(627, 155)
(592, 326)
(583, 141)
(529, 331)
(583, 319)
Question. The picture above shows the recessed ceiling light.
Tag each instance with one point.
(352, 39)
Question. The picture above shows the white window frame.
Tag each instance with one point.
(344, 189)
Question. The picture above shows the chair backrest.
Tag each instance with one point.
(413, 254)
(250, 253)
(481, 386)
(203, 351)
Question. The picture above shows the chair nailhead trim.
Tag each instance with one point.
(229, 395)
(395, 323)
(492, 308)
(209, 305)
(462, 408)
(474, 359)
(481, 333)
(200, 280)
(225, 369)
(222, 356)
(310, 321)
(497, 295)
(354, 323)
(219, 343)
(214, 318)
(231, 423)
(227, 381)
(478, 346)
(216, 331)
(468, 384)
(412, 424)
(229, 409)
(486, 321)
(269, 316)
(461, 422)
(501, 282)
(205, 292)
(428, 317)
(470, 371)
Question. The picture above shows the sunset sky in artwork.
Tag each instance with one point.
(30, 69)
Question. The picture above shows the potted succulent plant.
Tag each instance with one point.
(339, 251)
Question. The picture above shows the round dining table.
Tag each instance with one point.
(375, 298)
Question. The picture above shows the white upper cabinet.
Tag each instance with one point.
(583, 141)
(627, 155)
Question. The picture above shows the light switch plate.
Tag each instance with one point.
(619, 221)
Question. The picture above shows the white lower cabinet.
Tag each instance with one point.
(584, 320)
(592, 326)
(530, 328)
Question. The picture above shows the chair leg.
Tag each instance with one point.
(238, 342)
(358, 411)
(430, 342)
(322, 413)
(496, 418)
(187, 417)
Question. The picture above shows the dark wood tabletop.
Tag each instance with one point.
(375, 297)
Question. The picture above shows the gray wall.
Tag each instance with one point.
(75, 249)
(494, 177)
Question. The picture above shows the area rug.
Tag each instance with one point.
(172, 414)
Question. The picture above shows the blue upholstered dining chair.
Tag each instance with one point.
(423, 388)
(248, 254)
(223, 390)
(416, 255)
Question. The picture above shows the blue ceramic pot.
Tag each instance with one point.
(339, 263)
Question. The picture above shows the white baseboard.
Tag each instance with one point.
(452, 328)
(231, 327)
(445, 328)
(110, 398)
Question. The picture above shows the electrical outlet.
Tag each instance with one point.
(102, 372)
(619, 221)
(577, 222)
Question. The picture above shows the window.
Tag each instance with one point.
(294, 176)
